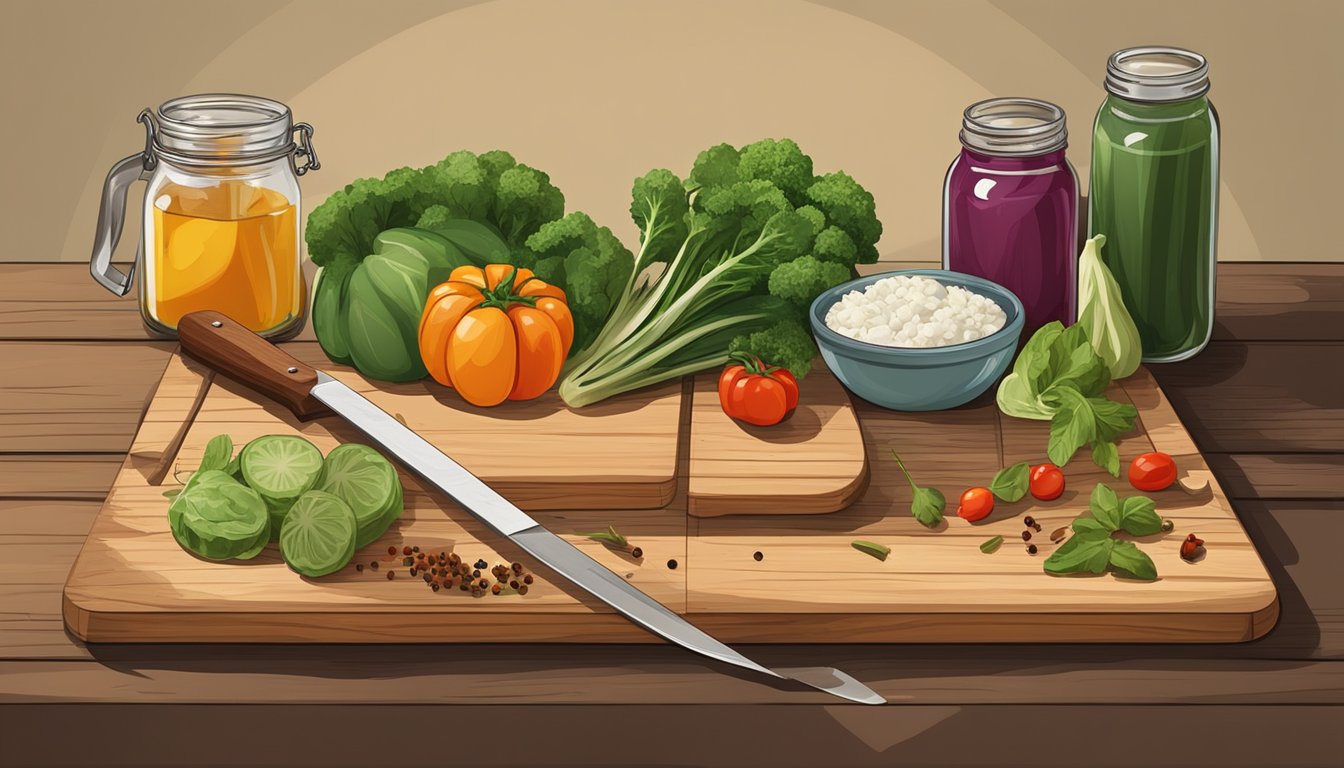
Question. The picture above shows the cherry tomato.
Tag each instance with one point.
(1047, 482)
(1152, 472)
(757, 393)
(976, 504)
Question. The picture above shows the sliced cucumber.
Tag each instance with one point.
(318, 536)
(280, 467)
(367, 483)
(218, 518)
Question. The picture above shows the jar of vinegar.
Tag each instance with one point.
(220, 226)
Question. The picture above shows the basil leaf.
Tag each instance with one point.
(1033, 364)
(1071, 427)
(217, 453)
(1132, 562)
(1106, 456)
(1011, 484)
(1105, 507)
(1081, 367)
(991, 545)
(1084, 553)
(1138, 516)
(1111, 419)
(928, 506)
(1089, 525)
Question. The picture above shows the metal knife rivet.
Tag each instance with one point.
(216, 324)
(292, 369)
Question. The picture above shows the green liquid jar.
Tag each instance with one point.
(1154, 194)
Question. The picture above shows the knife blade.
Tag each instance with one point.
(235, 351)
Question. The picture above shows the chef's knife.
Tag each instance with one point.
(229, 348)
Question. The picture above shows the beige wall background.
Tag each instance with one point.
(596, 92)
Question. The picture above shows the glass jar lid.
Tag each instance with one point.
(1014, 127)
(1157, 73)
(223, 129)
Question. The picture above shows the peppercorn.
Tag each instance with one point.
(522, 590)
(1031, 549)
(1028, 521)
(516, 567)
(464, 586)
(434, 587)
(758, 557)
(406, 550)
(391, 575)
(672, 564)
(1037, 527)
(453, 558)
(480, 564)
(415, 571)
(415, 549)
(1190, 547)
(483, 584)
(527, 579)
(1026, 535)
(407, 561)
(1168, 526)
(359, 567)
(428, 578)
(514, 584)
(374, 565)
(476, 574)
(636, 552)
(392, 550)
(495, 589)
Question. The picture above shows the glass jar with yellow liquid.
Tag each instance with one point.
(220, 228)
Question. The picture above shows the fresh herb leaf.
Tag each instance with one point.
(1084, 553)
(172, 494)
(1132, 562)
(1071, 427)
(1087, 524)
(871, 548)
(609, 536)
(1112, 419)
(217, 454)
(928, 503)
(1138, 516)
(990, 546)
(1107, 456)
(234, 466)
(1105, 507)
(1012, 483)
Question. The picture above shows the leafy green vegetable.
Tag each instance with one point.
(928, 503)
(1102, 313)
(218, 453)
(991, 545)
(1093, 550)
(589, 263)
(1012, 483)
(319, 534)
(729, 260)
(1060, 378)
(367, 483)
(219, 518)
(871, 548)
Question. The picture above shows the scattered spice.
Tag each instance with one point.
(1168, 526)
(404, 550)
(868, 548)
(757, 556)
(1026, 535)
(1190, 548)
(391, 575)
(359, 567)
(374, 565)
(392, 550)
(990, 546)
(1029, 521)
(1058, 534)
(1031, 549)
(527, 579)
(479, 564)
(614, 540)
(493, 590)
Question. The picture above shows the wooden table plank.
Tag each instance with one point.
(1259, 397)
(738, 735)
(81, 477)
(1281, 475)
(1280, 302)
(109, 380)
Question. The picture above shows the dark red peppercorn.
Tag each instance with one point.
(1037, 527)
(1031, 549)
(516, 567)
(374, 565)
(406, 550)
(1028, 521)
(522, 590)
(359, 566)
(1190, 547)
(476, 574)
(480, 564)
(527, 579)
(494, 590)
(1026, 535)
(391, 575)
(636, 552)
(514, 584)
(758, 557)
(392, 550)
(434, 587)
(415, 549)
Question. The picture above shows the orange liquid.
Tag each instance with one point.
(230, 248)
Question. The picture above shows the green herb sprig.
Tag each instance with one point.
(1092, 548)
(871, 548)
(1012, 483)
(928, 503)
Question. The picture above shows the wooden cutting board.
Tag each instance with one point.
(132, 583)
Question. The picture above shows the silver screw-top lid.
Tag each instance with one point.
(223, 128)
(1014, 127)
(1157, 73)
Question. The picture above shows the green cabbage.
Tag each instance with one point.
(1102, 313)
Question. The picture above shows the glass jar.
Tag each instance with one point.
(1154, 194)
(220, 225)
(1010, 206)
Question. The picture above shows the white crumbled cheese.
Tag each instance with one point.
(915, 311)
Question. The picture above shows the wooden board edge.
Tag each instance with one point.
(705, 505)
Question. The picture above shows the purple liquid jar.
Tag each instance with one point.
(1010, 206)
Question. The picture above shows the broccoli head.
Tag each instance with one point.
(786, 344)
(850, 207)
(715, 167)
(781, 163)
(591, 265)
(803, 279)
(658, 206)
(524, 200)
(835, 246)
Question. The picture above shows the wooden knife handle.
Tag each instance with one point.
(223, 344)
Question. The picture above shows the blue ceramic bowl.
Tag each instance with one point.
(923, 379)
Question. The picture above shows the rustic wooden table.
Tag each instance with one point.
(1264, 402)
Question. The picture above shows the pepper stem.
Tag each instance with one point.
(904, 471)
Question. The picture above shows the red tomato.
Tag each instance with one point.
(757, 393)
(1152, 472)
(1047, 482)
(976, 504)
